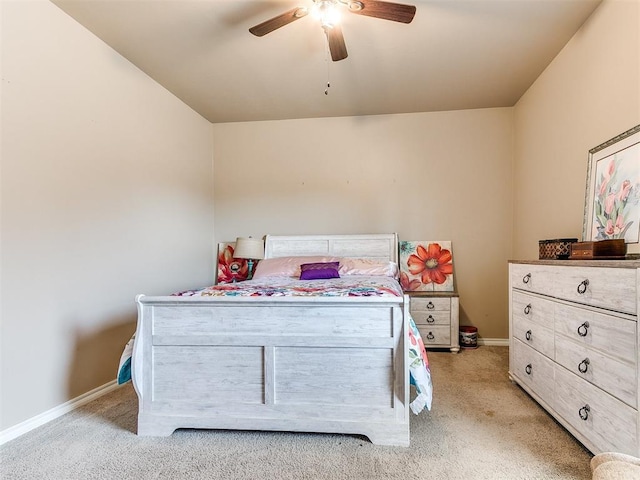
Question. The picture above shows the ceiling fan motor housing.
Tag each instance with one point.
(328, 12)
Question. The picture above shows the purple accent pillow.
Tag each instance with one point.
(317, 271)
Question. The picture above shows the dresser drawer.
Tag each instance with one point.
(611, 375)
(435, 336)
(609, 424)
(534, 309)
(534, 370)
(604, 287)
(536, 336)
(429, 304)
(614, 335)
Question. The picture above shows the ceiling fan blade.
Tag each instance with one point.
(279, 21)
(396, 12)
(337, 47)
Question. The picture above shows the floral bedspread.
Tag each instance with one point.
(348, 286)
(420, 375)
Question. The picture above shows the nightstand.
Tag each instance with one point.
(436, 314)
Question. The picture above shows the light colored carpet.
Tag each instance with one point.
(481, 427)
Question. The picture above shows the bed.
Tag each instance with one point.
(336, 363)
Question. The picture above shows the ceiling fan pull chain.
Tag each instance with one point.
(326, 60)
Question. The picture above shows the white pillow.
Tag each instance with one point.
(365, 266)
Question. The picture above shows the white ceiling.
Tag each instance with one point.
(456, 54)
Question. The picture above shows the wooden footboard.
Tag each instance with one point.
(289, 363)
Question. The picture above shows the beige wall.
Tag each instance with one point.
(106, 185)
(427, 176)
(588, 94)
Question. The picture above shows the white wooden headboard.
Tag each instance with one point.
(375, 246)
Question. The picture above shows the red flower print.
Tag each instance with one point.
(229, 268)
(432, 263)
(408, 285)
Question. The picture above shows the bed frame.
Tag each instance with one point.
(277, 363)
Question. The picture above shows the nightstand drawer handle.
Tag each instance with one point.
(526, 278)
(583, 329)
(430, 319)
(527, 309)
(583, 366)
(528, 335)
(430, 336)
(584, 412)
(430, 306)
(528, 369)
(583, 286)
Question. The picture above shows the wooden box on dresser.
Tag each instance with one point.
(574, 344)
(436, 314)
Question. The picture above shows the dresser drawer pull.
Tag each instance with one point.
(430, 305)
(583, 366)
(430, 319)
(430, 336)
(528, 369)
(526, 278)
(528, 335)
(584, 412)
(583, 286)
(527, 309)
(583, 329)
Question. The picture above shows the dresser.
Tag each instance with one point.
(574, 344)
(436, 314)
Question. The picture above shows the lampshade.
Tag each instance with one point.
(247, 247)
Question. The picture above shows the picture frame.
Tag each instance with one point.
(612, 194)
(426, 266)
(230, 269)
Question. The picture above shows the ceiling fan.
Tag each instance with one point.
(329, 10)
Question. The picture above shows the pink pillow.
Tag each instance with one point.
(286, 266)
(290, 266)
(318, 271)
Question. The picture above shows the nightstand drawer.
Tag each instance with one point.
(433, 336)
(430, 304)
(431, 318)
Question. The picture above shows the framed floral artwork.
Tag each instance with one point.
(230, 269)
(612, 200)
(426, 266)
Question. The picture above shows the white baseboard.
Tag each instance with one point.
(494, 342)
(39, 420)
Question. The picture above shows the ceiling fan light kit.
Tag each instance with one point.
(354, 6)
(328, 11)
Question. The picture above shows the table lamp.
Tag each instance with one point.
(250, 249)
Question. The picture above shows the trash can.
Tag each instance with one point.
(468, 337)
